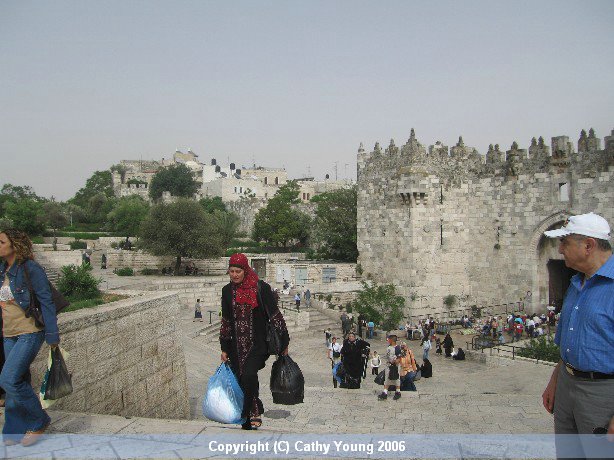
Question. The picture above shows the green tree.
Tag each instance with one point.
(26, 214)
(98, 207)
(381, 304)
(181, 229)
(334, 226)
(100, 182)
(10, 192)
(54, 215)
(211, 204)
(279, 222)
(127, 215)
(227, 224)
(177, 179)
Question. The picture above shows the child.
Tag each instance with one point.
(393, 378)
(375, 363)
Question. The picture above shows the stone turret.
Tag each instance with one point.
(413, 147)
(561, 147)
(593, 143)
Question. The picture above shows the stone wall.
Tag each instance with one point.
(126, 358)
(139, 260)
(458, 223)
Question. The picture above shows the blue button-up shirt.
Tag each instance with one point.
(585, 331)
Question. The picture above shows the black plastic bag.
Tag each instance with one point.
(381, 378)
(287, 382)
(59, 383)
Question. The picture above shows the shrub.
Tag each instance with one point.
(497, 246)
(329, 297)
(542, 348)
(37, 240)
(124, 271)
(149, 271)
(77, 244)
(449, 300)
(77, 283)
(359, 269)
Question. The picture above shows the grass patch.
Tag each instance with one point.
(89, 303)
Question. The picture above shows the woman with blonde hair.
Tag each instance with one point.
(24, 418)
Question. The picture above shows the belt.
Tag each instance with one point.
(587, 375)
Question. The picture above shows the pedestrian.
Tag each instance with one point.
(448, 345)
(198, 314)
(354, 355)
(371, 327)
(327, 336)
(408, 368)
(247, 305)
(307, 298)
(334, 354)
(24, 418)
(426, 346)
(103, 262)
(426, 370)
(376, 362)
(393, 375)
(580, 392)
(297, 300)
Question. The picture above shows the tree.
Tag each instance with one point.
(181, 229)
(227, 224)
(26, 214)
(127, 215)
(98, 207)
(10, 192)
(334, 226)
(101, 182)
(211, 204)
(54, 215)
(279, 222)
(177, 179)
(381, 304)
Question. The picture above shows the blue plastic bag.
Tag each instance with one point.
(223, 401)
(335, 368)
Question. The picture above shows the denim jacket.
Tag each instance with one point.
(40, 284)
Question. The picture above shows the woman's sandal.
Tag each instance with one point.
(256, 423)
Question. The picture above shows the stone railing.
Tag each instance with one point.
(126, 358)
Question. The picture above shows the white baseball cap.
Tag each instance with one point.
(589, 224)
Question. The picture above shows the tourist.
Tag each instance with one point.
(249, 302)
(307, 298)
(408, 368)
(501, 338)
(426, 370)
(448, 344)
(334, 354)
(371, 327)
(518, 328)
(376, 362)
(393, 376)
(581, 388)
(426, 346)
(24, 418)
(530, 327)
(327, 336)
(198, 314)
(103, 262)
(437, 346)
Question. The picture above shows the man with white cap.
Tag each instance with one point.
(581, 390)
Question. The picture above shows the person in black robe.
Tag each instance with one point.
(354, 355)
(448, 345)
(460, 355)
(426, 370)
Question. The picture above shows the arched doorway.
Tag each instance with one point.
(551, 276)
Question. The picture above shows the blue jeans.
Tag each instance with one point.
(23, 411)
(425, 354)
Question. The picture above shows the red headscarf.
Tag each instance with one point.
(247, 290)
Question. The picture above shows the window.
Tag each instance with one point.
(308, 196)
(240, 189)
(276, 180)
(329, 274)
(235, 189)
(563, 191)
(304, 196)
(266, 180)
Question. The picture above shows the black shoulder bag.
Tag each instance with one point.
(34, 309)
(273, 340)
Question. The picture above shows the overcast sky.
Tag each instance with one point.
(85, 84)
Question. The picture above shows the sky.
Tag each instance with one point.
(294, 84)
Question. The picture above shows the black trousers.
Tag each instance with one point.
(248, 381)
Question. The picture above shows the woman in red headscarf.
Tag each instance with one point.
(243, 331)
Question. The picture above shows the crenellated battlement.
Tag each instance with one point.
(462, 161)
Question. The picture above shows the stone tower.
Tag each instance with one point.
(457, 223)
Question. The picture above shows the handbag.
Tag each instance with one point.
(393, 372)
(34, 309)
(273, 340)
(381, 378)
